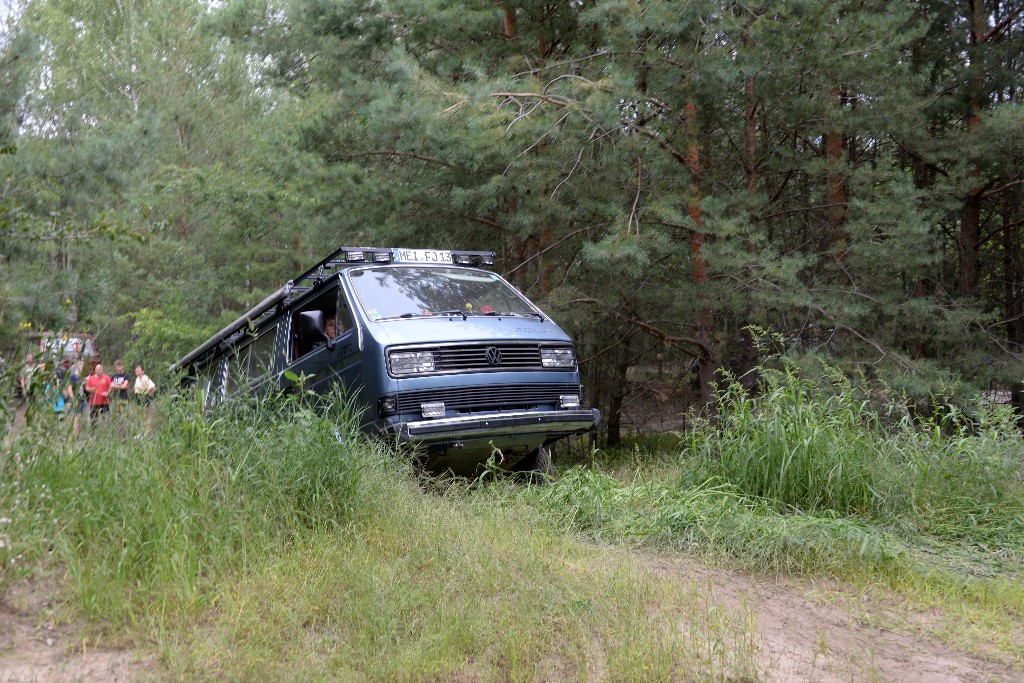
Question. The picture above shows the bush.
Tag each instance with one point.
(816, 448)
(810, 477)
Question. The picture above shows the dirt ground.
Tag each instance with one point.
(37, 647)
(821, 631)
(806, 631)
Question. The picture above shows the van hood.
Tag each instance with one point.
(429, 330)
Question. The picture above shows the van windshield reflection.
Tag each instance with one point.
(414, 291)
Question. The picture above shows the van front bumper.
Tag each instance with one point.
(550, 423)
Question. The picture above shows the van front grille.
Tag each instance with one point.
(476, 357)
(490, 397)
(482, 357)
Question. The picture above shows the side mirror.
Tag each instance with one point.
(312, 329)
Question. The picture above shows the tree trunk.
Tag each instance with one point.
(618, 392)
(750, 355)
(1011, 272)
(968, 243)
(545, 264)
(531, 256)
(970, 215)
(750, 134)
(836, 186)
(705, 354)
(72, 296)
(510, 21)
(518, 256)
(182, 204)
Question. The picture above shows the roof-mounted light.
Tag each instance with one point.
(382, 256)
(464, 259)
(354, 256)
(487, 260)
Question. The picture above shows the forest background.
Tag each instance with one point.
(665, 178)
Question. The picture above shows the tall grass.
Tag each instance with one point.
(795, 446)
(820, 450)
(450, 587)
(146, 510)
(268, 538)
(811, 477)
(711, 518)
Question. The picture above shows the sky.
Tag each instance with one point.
(7, 8)
(8, 12)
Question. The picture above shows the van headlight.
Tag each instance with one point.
(558, 358)
(411, 363)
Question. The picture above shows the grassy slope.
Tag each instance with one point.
(265, 542)
(430, 588)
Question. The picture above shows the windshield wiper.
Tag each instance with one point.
(466, 314)
(507, 314)
(451, 313)
(511, 314)
(432, 314)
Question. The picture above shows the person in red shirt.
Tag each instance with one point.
(98, 389)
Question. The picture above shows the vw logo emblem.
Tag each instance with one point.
(493, 355)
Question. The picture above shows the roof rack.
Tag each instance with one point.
(334, 262)
(251, 316)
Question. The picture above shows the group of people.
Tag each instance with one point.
(72, 391)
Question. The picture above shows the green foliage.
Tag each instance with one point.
(157, 339)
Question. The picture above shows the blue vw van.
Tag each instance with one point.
(436, 350)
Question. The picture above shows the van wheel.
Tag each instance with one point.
(536, 465)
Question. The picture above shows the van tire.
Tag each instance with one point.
(536, 465)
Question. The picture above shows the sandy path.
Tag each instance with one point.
(805, 633)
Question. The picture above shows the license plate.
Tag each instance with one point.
(421, 256)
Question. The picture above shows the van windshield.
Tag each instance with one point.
(416, 291)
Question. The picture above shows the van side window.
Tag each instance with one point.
(337, 321)
(259, 360)
(343, 322)
(212, 381)
(231, 371)
(205, 381)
